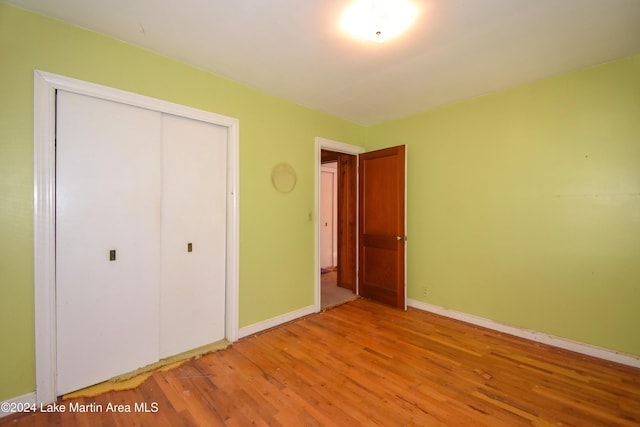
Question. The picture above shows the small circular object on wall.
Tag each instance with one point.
(283, 177)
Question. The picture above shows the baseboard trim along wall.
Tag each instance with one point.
(21, 404)
(275, 321)
(586, 349)
(30, 399)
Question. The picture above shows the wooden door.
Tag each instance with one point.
(107, 239)
(347, 215)
(382, 226)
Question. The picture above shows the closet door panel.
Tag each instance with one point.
(192, 297)
(107, 199)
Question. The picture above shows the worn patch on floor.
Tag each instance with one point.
(137, 377)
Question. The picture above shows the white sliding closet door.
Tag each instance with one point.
(194, 171)
(108, 198)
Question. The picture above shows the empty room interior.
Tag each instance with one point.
(349, 212)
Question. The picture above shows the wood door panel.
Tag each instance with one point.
(381, 226)
(389, 242)
(382, 269)
(347, 225)
(380, 195)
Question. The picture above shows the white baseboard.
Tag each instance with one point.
(27, 399)
(275, 321)
(589, 350)
(578, 347)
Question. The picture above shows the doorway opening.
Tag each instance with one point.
(371, 221)
(336, 213)
(336, 269)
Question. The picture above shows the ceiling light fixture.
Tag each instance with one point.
(378, 20)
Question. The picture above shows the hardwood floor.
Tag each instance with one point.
(365, 364)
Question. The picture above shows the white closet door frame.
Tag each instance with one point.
(45, 86)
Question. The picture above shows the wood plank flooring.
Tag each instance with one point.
(365, 364)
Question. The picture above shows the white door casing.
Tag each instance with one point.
(45, 87)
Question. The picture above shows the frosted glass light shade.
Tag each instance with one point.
(378, 20)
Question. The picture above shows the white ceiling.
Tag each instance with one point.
(296, 49)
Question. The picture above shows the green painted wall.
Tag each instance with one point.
(276, 234)
(524, 205)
